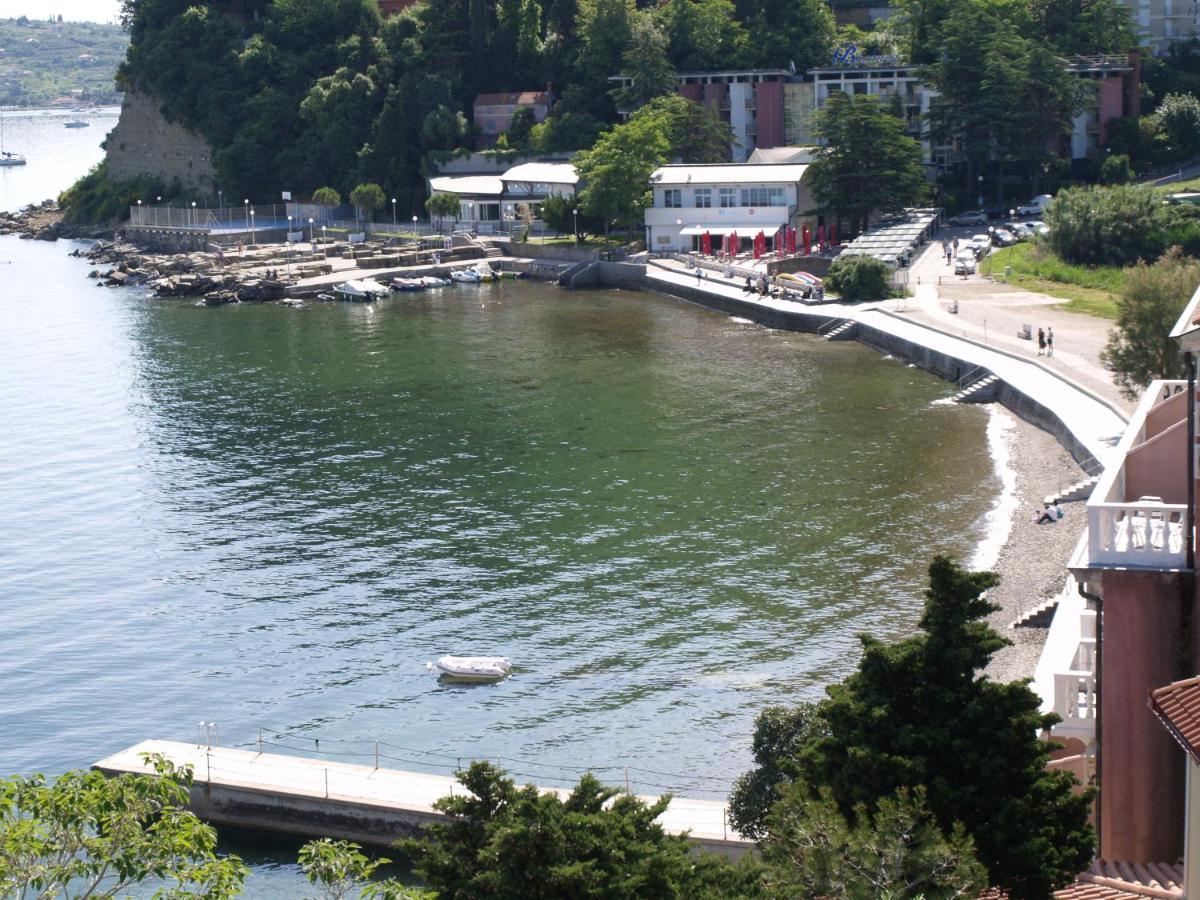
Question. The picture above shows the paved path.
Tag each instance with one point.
(1095, 424)
(319, 779)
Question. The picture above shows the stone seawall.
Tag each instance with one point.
(144, 143)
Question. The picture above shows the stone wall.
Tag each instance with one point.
(145, 143)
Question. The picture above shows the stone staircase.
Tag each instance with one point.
(493, 252)
(1039, 615)
(841, 331)
(1080, 490)
(981, 391)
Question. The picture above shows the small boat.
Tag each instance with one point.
(11, 159)
(76, 123)
(362, 290)
(407, 284)
(431, 281)
(465, 276)
(473, 669)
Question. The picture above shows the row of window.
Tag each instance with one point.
(727, 197)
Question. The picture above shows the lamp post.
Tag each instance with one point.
(168, 212)
(322, 234)
(139, 212)
(979, 179)
(246, 209)
(289, 247)
(193, 213)
(575, 216)
(414, 224)
(157, 204)
(311, 235)
(394, 214)
(679, 237)
(252, 238)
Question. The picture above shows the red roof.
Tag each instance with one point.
(1178, 705)
(1115, 880)
(513, 98)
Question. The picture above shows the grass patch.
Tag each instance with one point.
(1179, 187)
(1092, 290)
(594, 242)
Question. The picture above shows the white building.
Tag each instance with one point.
(486, 202)
(724, 199)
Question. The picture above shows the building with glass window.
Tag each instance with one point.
(720, 200)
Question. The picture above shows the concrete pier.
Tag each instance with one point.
(373, 806)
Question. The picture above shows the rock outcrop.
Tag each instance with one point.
(144, 143)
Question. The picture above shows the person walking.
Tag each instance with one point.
(1041, 342)
(1049, 341)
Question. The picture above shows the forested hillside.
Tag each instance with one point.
(42, 60)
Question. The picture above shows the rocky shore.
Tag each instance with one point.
(44, 222)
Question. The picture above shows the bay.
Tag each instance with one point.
(272, 519)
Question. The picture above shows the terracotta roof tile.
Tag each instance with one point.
(1178, 705)
(1117, 880)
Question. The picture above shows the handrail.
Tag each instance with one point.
(830, 326)
(966, 380)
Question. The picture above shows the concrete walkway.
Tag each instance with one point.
(1096, 425)
(360, 797)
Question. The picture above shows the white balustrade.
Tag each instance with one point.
(1146, 533)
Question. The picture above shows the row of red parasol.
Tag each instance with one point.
(786, 241)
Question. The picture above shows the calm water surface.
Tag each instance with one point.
(273, 518)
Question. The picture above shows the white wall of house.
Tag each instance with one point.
(750, 206)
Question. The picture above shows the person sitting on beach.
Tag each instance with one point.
(1047, 515)
(749, 286)
(1058, 510)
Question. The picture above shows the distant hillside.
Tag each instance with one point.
(41, 62)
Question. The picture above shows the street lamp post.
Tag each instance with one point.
(289, 247)
(193, 213)
(139, 212)
(415, 225)
(322, 235)
(246, 209)
(679, 237)
(252, 232)
(575, 216)
(221, 202)
(157, 204)
(979, 178)
(394, 214)
(311, 235)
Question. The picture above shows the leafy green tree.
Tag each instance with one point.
(1140, 348)
(1178, 118)
(88, 835)
(856, 278)
(326, 196)
(780, 32)
(780, 734)
(1115, 225)
(368, 197)
(693, 132)
(894, 850)
(559, 212)
(442, 205)
(1084, 27)
(1116, 169)
(605, 29)
(704, 34)
(919, 713)
(520, 127)
(340, 868)
(510, 843)
(868, 162)
(647, 64)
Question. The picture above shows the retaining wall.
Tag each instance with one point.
(144, 143)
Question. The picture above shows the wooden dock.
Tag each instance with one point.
(372, 806)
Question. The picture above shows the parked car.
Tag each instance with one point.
(1036, 206)
(995, 213)
(979, 243)
(964, 263)
(1040, 228)
(973, 217)
(1002, 237)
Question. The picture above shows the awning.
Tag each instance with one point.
(695, 230)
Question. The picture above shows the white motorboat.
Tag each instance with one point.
(465, 276)
(432, 281)
(473, 669)
(362, 290)
(11, 159)
(76, 123)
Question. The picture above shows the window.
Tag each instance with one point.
(728, 198)
(673, 197)
(762, 196)
(703, 198)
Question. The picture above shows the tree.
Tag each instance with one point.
(1116, 169)
(1084, 27)
(340, 868)
(783, 32)
(896, 850)
(869, 162)
(919, 713)
(858, 278)
(605, 28)
(327, 196)
(520, 127)
(442, 205)
(369, 197)
(1178, 118)
(88, 835)
(646, 63)
(1140, 348)
(1115, 225)
(559, 212)
(704, 34)
(779, 734)
(510, 843)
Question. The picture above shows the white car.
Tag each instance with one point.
(1036, 206)
(974, 217)
(964, 263)
(980, 243)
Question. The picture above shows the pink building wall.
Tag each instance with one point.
(1112, 103)
(769, 120)
(1142, 776)
(716, 95)
(691, 92)
(1152, 468)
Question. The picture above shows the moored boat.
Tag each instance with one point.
(473, 669)
(407, 284)
(432, 281)
(362, 290)
(465, 276)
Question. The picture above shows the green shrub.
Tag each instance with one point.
(96, 199)
(1111, 226)
(859, 278)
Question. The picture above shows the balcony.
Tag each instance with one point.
(1137, 514)
(1065, 677)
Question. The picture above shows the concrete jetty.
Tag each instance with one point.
(373, 806)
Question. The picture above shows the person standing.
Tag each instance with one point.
(1049, 341)
(1041, 342)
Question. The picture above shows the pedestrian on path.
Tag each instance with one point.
(1041, 342)
(1049, 341)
